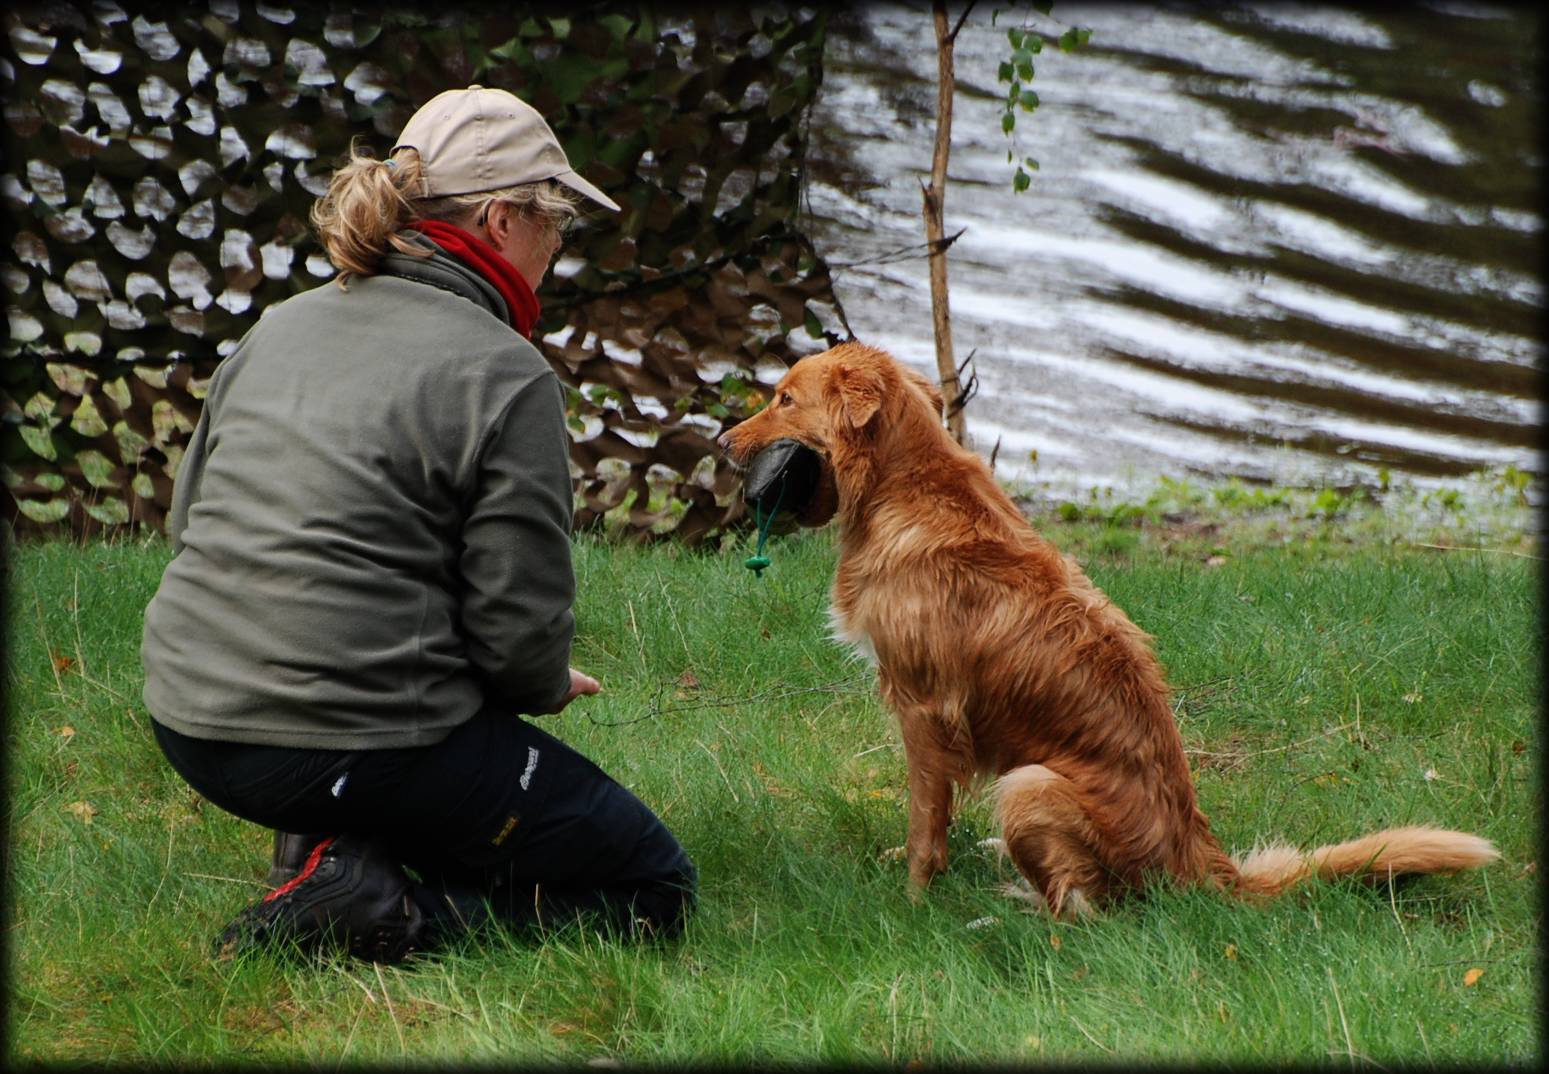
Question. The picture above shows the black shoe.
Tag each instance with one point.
(347, 892)
(290, 854)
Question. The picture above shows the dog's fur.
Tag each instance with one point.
(1000, 658)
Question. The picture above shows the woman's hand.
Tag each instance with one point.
(580, 683)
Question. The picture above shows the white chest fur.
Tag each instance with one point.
(848, 633)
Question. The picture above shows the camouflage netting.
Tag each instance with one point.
(159, 170)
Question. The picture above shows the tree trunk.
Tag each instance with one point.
(935, 229)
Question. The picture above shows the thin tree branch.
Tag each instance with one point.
(952, 37)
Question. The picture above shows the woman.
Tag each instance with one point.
(371, 575)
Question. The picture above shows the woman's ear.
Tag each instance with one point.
(857, 386)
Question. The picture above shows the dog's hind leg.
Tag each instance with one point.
(1051, 838)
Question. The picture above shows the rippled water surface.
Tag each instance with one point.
(1284, 243)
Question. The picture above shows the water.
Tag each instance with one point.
(1280, 243)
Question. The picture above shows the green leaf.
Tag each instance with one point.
(1015, 36)
(44, 510)
(1043, 6)
(97, 469)
(1008, 121)
(1031, 163)
(1021, 181)
(41, 441)
(1074, 38)
(1028, 100)
(1025, 71)
(1006, 72)
(109, 512)
(813, 325)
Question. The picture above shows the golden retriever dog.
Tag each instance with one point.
(1001, 659)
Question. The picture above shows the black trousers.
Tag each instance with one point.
(499, 814)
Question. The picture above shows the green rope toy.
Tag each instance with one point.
(758, 561)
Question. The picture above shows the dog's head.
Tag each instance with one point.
(834, 403)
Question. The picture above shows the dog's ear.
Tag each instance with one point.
(858, 388)
(929, 387)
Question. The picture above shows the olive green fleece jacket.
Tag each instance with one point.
(370, 524)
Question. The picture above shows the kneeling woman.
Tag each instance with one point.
(372, 579)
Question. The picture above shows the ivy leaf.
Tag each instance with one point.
(1006, 72)
(1028, 100)
(1008, 121)
(1021, 181)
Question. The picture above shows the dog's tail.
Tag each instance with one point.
(1378, 857)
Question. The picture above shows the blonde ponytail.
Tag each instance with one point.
(367, 203)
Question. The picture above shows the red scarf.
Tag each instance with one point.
(479, 254)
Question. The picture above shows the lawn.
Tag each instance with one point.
(1324, 689)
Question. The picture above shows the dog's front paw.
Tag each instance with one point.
(893, 854)
(993, 843)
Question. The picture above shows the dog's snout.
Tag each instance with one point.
(724, 440)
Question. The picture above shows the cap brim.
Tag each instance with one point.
(582, 187)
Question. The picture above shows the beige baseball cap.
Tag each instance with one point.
(477, 139)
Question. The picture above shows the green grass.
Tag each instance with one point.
(1325, 689)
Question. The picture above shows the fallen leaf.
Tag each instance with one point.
(84, 810)
(688, 680)
(1413, 697)
(66, 732)
(1231, 951)
(1215, 561)
(1430, 774)
(1471, 978)
(1054, 941)
(63, 663)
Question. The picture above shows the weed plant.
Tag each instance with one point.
(1324, 689)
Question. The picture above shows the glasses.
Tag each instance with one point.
(560, 224)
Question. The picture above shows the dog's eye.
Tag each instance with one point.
(785, 399)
